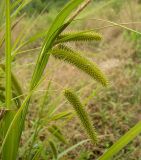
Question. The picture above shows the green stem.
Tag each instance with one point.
(8, 55)
(37, 125)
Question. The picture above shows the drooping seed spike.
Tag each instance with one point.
(81, 63)
(82, 114)
(79, 36)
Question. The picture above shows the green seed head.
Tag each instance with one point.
(82, 114)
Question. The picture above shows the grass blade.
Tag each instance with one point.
(71, 148)
(122, 142)
(8, 55)
(10, 140)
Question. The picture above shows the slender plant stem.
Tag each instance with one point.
(37, 125)
(8, 55)
(84, 5)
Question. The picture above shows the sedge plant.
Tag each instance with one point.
(14, 116)
(13, 130)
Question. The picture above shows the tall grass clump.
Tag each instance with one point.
(13, 115)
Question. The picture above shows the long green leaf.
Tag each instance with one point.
(122, 142)
(9, 144)
(55, 29)
(71, 149)
(8, 55)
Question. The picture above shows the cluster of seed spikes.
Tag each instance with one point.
(67, 54)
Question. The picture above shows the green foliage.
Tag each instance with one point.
(117, 5)
(84, 155)
(38, 6)
(82, 114)
(136, 40)
(35, 6)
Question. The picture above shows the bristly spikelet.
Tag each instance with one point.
(79, 36)
(82, 63)
(65, 48)
(82, 114)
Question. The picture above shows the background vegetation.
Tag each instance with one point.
(39, 5)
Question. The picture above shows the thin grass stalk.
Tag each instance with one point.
(84, 5)
(120, 25)
(37, 126)
(9, 145)
(8, 56)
